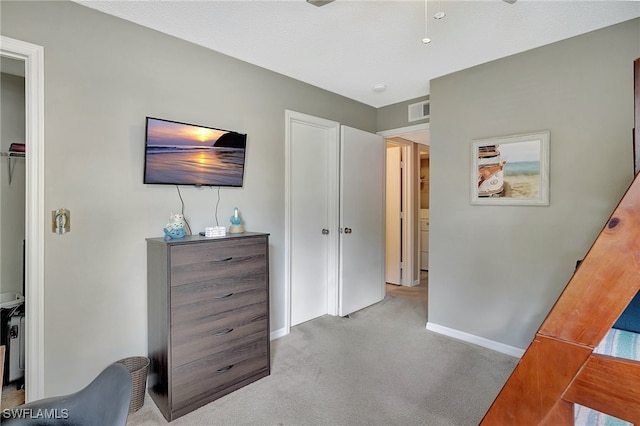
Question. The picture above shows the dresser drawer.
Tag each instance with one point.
(233, 258)
(199, 338)
(204, 377)
(191, 302)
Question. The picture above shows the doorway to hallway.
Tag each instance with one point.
(405, 188)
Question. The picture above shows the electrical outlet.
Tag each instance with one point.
(60, 221)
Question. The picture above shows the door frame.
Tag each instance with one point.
(410, 237)
(393, 211)
(333, 215)
(420, 149)
(33, 57)
(408, 226)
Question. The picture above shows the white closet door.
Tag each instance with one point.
(362, 241)
(313, 153)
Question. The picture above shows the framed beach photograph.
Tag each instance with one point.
(511, 170)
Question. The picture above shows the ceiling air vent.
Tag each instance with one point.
(419, 111)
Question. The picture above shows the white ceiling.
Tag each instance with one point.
(349, 46)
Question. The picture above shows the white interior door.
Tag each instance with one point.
(312, 208)
(393, 250)
(362, 241)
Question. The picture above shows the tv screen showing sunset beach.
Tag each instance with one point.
(185, 154)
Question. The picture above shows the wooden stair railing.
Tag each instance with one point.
(559, 367)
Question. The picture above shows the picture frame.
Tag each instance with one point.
(511, 170)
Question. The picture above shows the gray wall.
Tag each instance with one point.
(12, 196)
(495, 271)
(103, 75)
(396, 116)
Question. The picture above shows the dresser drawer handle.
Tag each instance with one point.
(224, 369)
(224, 297)
(223, 332)
(226, 259)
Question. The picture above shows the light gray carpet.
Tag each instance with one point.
(379, 367)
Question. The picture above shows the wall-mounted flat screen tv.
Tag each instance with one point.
(187, 154)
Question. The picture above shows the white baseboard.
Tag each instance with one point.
(476, 340)
(278, 333)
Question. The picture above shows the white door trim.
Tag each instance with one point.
(408, 227)
(332, 297)
(402, 130)
(393, 271)
(33, 56)
(410, 208)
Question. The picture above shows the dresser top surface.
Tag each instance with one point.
(189, 239)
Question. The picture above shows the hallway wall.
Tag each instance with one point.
(496, 271)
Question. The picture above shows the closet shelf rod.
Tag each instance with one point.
(12, 154)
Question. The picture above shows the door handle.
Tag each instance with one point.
(347, 230)
(325, 231)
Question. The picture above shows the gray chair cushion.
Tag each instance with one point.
(104, 402)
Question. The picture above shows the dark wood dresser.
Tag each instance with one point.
(208, 318)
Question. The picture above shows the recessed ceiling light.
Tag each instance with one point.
(379, 88)
(439, 15)
(426, 40)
